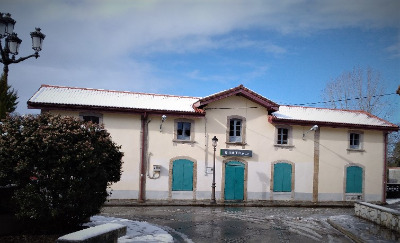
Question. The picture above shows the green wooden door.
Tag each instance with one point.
(282, 177)
(234, 180)
(182, 175)
(354, 179)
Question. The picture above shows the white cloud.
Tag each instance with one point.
(394, 50)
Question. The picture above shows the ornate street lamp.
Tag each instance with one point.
(12, 42)
(214, 144)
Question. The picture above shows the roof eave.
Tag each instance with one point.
(275, 120)
(51, 106)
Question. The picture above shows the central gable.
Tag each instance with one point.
(238, 91)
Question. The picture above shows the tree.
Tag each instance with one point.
(60, 167)
(358, 90)
(8, 98)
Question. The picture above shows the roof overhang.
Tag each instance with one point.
(52, 106)
(280, 121)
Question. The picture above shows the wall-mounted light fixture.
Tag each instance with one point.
(163, 118)
(314, 128)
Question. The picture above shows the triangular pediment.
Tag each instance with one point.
(238, 91)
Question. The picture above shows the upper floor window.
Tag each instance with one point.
(92, 117)
(184, 130)
(283, 135)
(236, 130)
(355, 140)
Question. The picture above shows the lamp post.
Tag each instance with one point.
(12, 43)
(214, 144)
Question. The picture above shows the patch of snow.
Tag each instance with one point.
(136, 231)
(85, 234)
(392, 201)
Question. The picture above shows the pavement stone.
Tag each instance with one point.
(361, 230)
(358, 229)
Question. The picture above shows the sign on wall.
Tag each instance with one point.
(236, 152)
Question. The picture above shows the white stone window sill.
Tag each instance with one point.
(183, 141)
(236, 143)
(284, 145)
(355, 150)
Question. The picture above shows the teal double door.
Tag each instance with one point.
(234, 180)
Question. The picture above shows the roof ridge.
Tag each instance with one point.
(118, 91)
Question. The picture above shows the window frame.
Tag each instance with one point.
(191, 136)
(289, 136)
(242, 130)
(350, 139)
(91, 114)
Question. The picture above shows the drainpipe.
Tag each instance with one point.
(142, 184)
(385, 137)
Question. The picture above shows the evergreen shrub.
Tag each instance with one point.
(60, 167)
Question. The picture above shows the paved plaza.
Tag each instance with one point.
(239, 224)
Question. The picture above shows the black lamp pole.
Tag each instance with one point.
(12, 43)
(214, 144)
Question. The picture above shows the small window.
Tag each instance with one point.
(283, 136)
(355, 140)
(183, 131)
(235, 130)
(94, 119)
(91, 117)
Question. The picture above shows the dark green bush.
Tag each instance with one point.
(60, 167)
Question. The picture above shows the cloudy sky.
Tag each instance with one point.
(284, 50)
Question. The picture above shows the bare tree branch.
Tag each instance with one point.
(358, 89)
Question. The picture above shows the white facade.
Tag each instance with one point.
(341, 159)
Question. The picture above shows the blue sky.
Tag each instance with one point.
(284, 50)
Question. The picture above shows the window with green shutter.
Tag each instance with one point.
(182, 175)
(282, 177)
(354, 176)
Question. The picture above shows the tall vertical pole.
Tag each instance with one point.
(316, 165)
(213, 184)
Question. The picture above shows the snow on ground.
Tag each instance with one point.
(136, 231)
(393, 201)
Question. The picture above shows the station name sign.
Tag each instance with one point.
(236, 152)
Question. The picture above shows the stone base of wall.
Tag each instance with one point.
(387, 217)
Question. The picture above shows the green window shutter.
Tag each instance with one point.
(187, 183)
(182, 175)
(354, 179)
(229, 182)
(282, 177)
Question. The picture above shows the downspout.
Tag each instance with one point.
(142, 184)
(385, 137)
